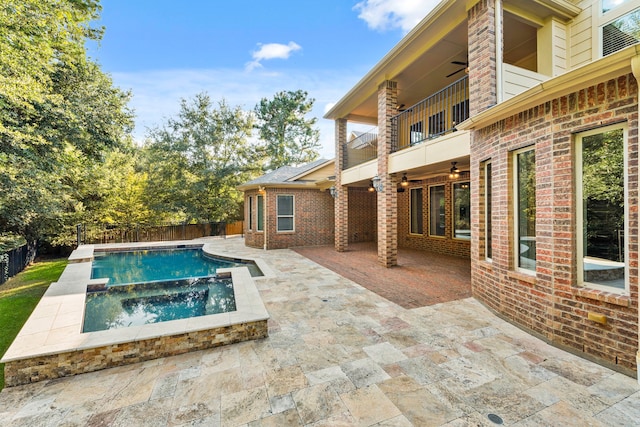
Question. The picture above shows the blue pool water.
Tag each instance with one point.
(152, 286)
(153, 265)
(143, 303)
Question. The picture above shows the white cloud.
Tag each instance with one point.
(271, 51)
(384, 15)
(157, 94)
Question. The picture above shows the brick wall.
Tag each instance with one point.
(447, 244)
(313, 219)
(482, 56)
(362, 215)
(550, 304)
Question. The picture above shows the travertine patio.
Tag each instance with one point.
(338, 354)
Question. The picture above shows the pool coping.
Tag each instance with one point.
(55, 325)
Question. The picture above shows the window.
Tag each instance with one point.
(487, 210)
(607, 5)
(602, 207)
(250, 212)
(260, 221)
(436, 124)
(436, 210)
(285, 213)
(416, 132)
(416, 211)
(525, 209)
(462, 210)
(620, 26)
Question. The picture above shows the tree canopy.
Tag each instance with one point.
(66, 151)
(289, 137)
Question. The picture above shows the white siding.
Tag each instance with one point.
(581, 33)
(517, 80)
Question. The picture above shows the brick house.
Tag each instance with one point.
(291, 206)
(506, 131)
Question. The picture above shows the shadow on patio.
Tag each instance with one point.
(420, 279)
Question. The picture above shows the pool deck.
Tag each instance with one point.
(340, 354)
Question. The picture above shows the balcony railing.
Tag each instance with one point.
(434, 116)
(361, 149)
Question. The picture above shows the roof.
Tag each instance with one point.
(287, 176)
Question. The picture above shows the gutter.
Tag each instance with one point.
(608, 67)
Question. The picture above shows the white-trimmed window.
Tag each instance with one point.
(285, 211)
(437, 210)
(260, 210)
(416, 211)
(487, 211)
(619, 25)
(462, 210)
(250, 212)
(602, 208)
(524, 196)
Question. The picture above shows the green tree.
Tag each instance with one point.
(195, 161)
(289, 138)
(59, 114)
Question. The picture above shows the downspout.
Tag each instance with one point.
(498, 36)
(266, 219)
(635, 69)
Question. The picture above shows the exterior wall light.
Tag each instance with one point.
(376, 182)
(333, 192)
(404, 182)
(371, 189)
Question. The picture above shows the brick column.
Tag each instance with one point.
(635, 68)
(387, 205)
(482, 56)
(341, 205)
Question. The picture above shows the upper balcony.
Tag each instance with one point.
(434, 116)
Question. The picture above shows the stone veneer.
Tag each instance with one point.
(25, 371)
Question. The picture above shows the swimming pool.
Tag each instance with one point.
(141, 266)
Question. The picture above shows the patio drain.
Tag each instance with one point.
(495, 418)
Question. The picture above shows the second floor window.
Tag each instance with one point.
(621, 26)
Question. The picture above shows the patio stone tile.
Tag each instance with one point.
(384, 353)
(282, 403)
(626, 412)
(615, 388)
(145, 414)
(560, 411)
(369, 405)
(244, 406)
(289, 418)
(423, 370)
(399, 421)
(364, 372)
(317, 403)
(422, 408)
(285, 380)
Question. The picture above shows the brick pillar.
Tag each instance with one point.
(482, 56)
(388, 198)
(342, 193)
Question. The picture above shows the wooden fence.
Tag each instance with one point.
(14, 261)
(100, 233)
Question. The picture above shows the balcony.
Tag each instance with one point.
(432, 117)
(361, 149)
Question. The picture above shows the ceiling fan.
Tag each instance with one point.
(465, 66)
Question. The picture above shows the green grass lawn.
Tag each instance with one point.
(19, 296)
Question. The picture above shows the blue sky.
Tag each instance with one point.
(245, 50)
